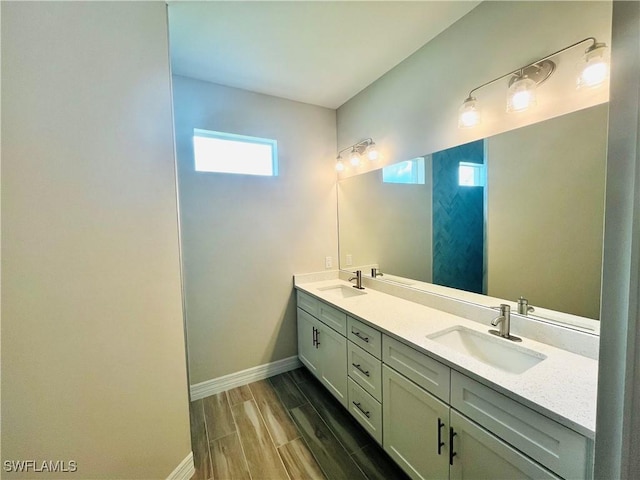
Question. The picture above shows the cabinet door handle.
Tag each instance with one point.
(314, 336)
(366, 413)
(365, 372)
(451, 452)
(440, 442)
(317, 338)
(360, 336)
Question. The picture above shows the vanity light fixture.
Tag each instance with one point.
(593, 69)
(367, 146)
(469, 113)
(523, 82)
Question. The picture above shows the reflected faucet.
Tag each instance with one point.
(375, 273)
(505, 323)
(523, 306)
(358, 279)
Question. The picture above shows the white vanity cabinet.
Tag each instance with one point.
(480, 454)
(415, 427)
(428, 438)
(365, 376)
(323, 348)
(434, 421)
(555, 446)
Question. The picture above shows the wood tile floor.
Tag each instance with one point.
(286, 427)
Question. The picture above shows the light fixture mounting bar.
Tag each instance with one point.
(541, 60)
(358, 147)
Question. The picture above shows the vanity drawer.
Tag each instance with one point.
(366, 410)
(558, 448)
(308, 303)
(365, 369)
(365, 336)
(333, 317)
(430, 374)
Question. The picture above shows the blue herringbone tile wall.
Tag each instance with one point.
(458, 221)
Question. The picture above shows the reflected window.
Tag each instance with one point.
(471, 174)
(409, 172)
(230, 153)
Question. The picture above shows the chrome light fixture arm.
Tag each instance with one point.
(359, 147)
(532, 64)
(356, 150)
(523, 81)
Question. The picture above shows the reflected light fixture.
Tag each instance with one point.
(354, 158)
(367, 146)
(523, 82)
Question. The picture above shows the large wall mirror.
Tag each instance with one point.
(517, 214)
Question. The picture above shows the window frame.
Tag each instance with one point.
(418, 174)
(479, 174)
(234, 137)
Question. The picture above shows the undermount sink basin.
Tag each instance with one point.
(494, 351)
(342, 291)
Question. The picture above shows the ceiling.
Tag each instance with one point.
(318, 52)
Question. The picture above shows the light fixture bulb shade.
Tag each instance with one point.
(521, 95)
(469, 113)
(339, 165)
(354, 158)
(372, 152)
(593, 68)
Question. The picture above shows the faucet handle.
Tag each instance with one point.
(523, 306)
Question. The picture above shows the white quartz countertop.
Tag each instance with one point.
(562, 387)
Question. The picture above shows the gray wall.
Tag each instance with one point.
(93, 361)
(245, 236)
(545, 216)
(618, 422)
(381, 223)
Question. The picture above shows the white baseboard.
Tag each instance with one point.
(185, 470)
(217, 385)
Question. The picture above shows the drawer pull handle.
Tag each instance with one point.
(366, 413)
(360, 336)
(365, 372)
(440, 442)
(451, 452)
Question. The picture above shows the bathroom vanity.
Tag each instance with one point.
(444, 398)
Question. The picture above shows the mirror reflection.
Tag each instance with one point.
(516, 214)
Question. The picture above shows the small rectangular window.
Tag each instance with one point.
(229, 153)
(471, 174)
(409, 172)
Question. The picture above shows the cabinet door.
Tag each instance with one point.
(415, 427)
(479, 454)
(307, 350)
(332, 361)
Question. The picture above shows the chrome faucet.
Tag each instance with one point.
(505, 323)
(523, 306)
(375, 273)
(358, 279)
